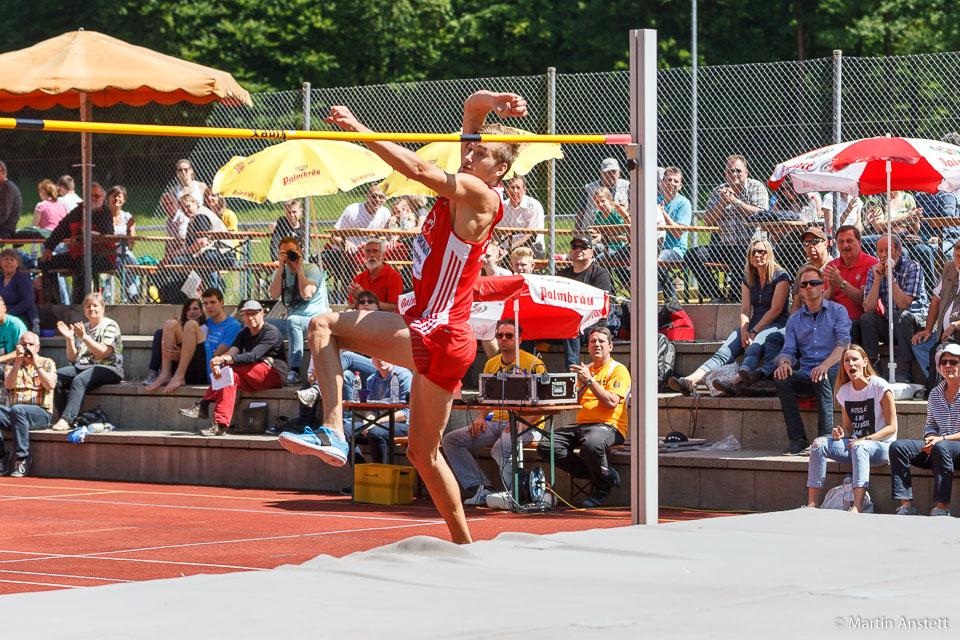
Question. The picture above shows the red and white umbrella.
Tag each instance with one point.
(861, 167)
(546, 306)
(875, 165)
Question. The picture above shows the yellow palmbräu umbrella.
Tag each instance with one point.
(299, 169)
(446, 155)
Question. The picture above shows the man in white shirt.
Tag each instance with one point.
(522, 212)
(369, 214)
(609, 178)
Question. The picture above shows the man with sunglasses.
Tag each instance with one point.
(816, 336)
(728, 206)
(814, 242)
(461, 445)
(583, 269)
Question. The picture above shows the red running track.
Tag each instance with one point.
(57, 534)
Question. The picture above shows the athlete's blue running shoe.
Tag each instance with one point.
(326, 444)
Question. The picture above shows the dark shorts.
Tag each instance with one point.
(197, 369)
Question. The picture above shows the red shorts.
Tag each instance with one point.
(445, 354)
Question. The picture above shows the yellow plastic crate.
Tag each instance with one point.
(383, 483)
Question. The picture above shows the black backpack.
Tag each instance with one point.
(666, 360)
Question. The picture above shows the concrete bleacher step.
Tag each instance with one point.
(757, 423)
(763, 480)
(256, 461)
(182, 458)
(131, 407)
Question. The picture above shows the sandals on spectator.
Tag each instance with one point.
(682, 385)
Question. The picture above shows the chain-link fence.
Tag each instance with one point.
(765, 112)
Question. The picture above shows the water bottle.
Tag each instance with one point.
(355, 387)
(100, 427)
(35, 326)
(394, 389)
(847, 493)
(78, 435)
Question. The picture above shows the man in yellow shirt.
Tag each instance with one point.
(601, 421)
(460, 446)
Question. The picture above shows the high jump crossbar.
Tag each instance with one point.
(70, 126)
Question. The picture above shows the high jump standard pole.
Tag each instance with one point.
(644, 487)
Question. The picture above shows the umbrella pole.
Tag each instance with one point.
(893, 364)
(516, 329)
(308, 201)
(86, 170)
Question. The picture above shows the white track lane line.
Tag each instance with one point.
(64, 575)
(229, 510)
(106, 555)
(43, 584)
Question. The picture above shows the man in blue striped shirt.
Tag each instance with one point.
(816, 336)
(940, 448)
(910, 306)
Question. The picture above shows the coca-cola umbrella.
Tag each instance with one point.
(545, 306)
(875, 165)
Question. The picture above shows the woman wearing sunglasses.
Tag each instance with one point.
(869, 427)
(940, 448)
(764, 294)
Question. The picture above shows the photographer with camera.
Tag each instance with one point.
(301, 286)
(30, 382)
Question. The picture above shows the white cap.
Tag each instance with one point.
(609, 164)
(950, 347)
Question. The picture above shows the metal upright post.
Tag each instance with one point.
(694, 125)
(643, 281)
(551, 171)
(837, 122)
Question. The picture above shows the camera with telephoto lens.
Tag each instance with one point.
(293, 256)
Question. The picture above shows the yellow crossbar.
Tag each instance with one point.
(31, 124)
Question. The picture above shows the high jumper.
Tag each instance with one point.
(433, 338)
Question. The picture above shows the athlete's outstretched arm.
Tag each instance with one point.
(460, 187)
(480, 103)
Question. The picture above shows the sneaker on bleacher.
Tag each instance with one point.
(197, 411)
(309, 396)
(293, 379)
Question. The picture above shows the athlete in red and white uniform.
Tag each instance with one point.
(445, 270)
(434, 337)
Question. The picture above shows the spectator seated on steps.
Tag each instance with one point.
(216, 333)
(601, 421)
(257, 361)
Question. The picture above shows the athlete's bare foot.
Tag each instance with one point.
(175, 383)
(159, 382)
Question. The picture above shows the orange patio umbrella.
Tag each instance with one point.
(83, 68)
